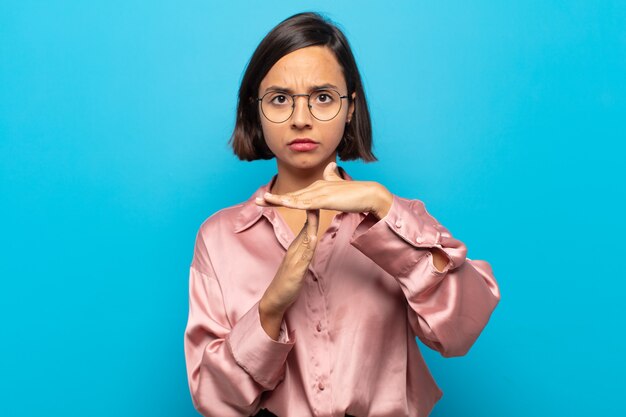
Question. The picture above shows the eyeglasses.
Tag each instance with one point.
(278, 106)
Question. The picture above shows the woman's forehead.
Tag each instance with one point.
(305, 68)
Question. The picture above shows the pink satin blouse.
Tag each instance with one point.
(347, 345)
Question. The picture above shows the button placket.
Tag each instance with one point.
(319, 343)
(316, 306)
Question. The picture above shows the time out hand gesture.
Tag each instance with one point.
(335, 193)
(331, 193)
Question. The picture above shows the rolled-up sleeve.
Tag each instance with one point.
(228, 366)
(448, 308)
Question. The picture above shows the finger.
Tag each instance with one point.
(302, 249)
(331, 172)
(308, 233)
(310, 200)
(309, 237)
(312, 221)
(260, 201)
(316, 185)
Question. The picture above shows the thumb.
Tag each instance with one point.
(331, 172)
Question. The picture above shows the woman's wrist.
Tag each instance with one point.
(270, 321)
(383, 200)
(267, 310)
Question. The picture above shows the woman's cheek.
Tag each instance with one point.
(269, 135)
(337, 134)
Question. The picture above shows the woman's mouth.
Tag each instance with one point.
(303, 145)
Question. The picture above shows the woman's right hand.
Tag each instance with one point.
(285, 287)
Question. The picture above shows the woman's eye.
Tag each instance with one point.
(280, 99)
(323, 97)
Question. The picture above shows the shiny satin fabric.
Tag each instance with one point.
(347, 345)
(265, 413)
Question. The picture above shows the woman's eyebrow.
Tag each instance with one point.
(290, 91)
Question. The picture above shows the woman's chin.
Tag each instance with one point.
(304, 162)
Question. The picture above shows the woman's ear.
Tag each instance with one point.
(351, 108)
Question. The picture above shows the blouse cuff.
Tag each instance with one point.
(262, 357)
(391, 241)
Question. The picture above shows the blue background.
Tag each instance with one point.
(505, 118)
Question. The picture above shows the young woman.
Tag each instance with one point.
(306, 299)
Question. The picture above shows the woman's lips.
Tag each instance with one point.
(303, 146)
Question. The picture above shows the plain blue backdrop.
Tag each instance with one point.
(505, 118)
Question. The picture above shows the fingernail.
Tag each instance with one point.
(267, 194)
(259, 199)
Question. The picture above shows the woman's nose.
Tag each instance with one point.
(301, 113)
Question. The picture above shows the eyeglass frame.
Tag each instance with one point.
(308, 103)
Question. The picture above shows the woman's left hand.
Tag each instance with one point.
(335, 193)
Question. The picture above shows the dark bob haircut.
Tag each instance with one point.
(300, 31)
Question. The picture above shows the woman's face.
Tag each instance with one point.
(297, 73)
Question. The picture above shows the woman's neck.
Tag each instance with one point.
(291, 179)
